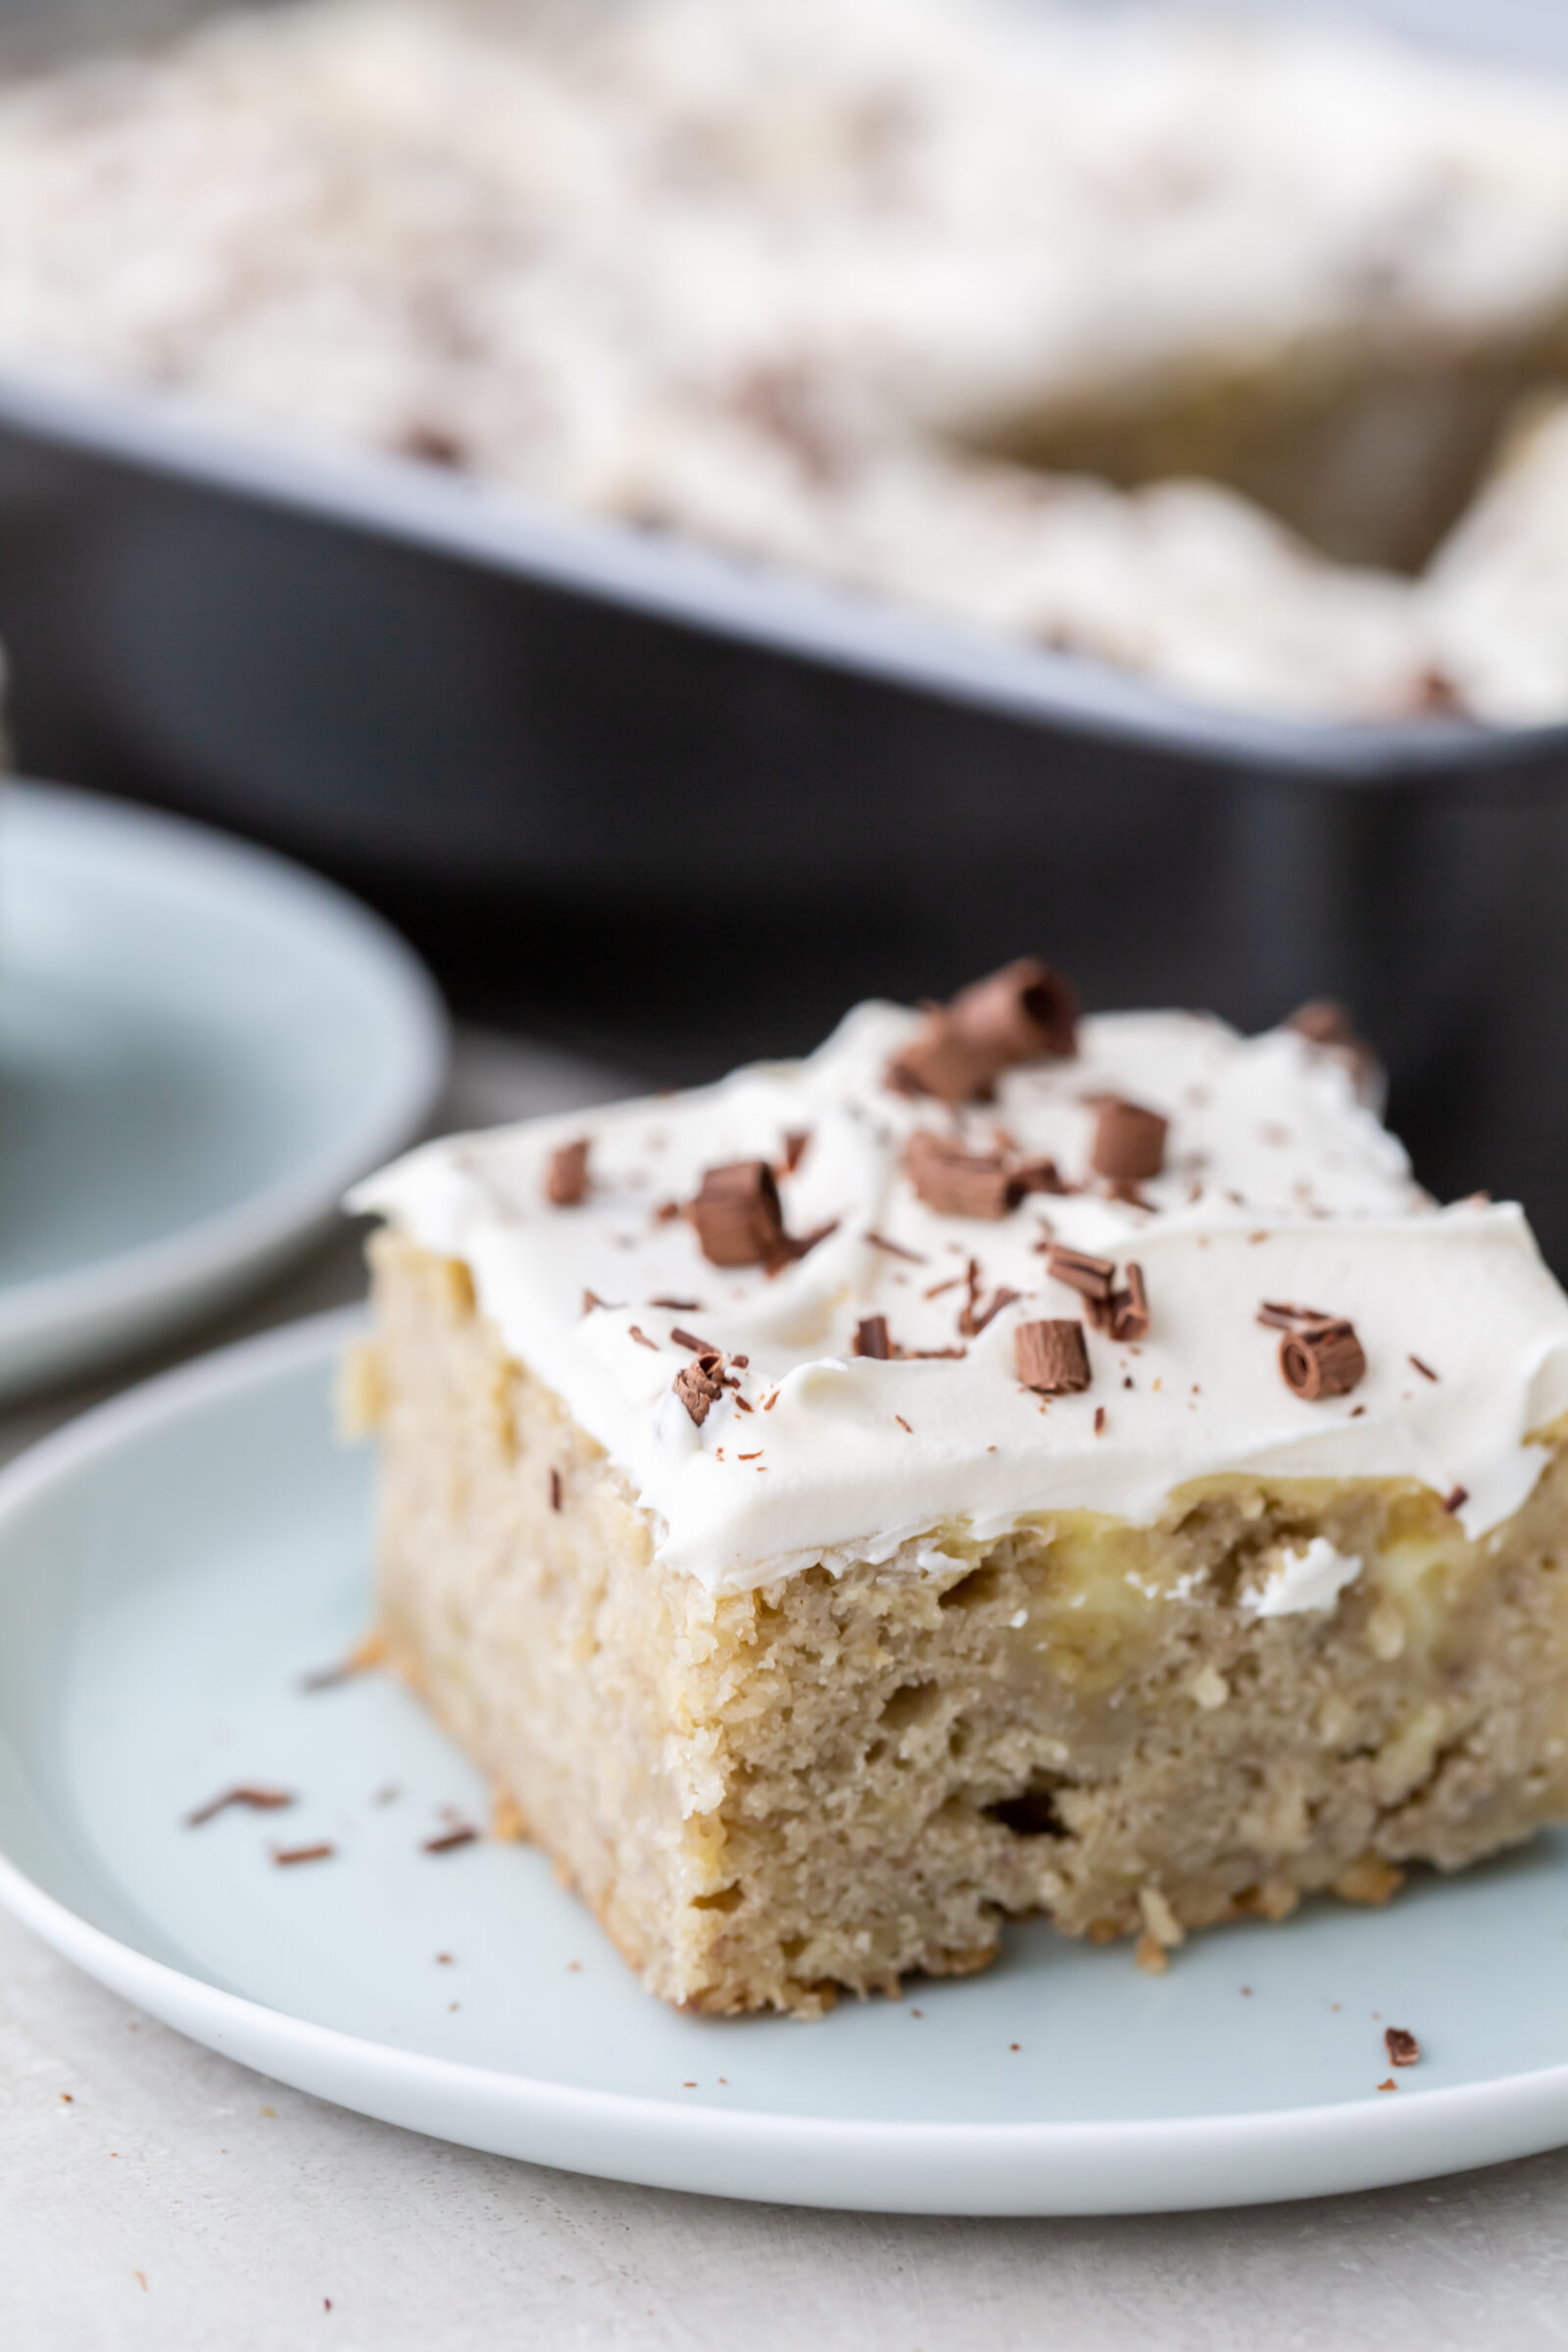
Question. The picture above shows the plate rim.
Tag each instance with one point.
(57, 1326)
(1160, 2163)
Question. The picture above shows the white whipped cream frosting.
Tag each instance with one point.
(1278, 1185)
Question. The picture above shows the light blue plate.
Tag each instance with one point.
(171, 1563)
(200, 1047)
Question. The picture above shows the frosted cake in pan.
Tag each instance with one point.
(1004, 1462)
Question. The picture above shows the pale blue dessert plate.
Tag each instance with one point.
(201, 1045)
(174, 1563)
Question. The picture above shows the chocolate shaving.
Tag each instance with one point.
(1276, 1316)
(1051, 1357)
(1456, 1501)
(1090, 1277)
(258, 1800)
(635, 1331)
(879, 1240)
(1100, 1420)
(554, 1490)
(957, 1183)
(678, 1306)
(1401, 2045)
(1039, 1176)
(1424, 1370)
(795, 1144)
(1321, 1359)
(689, 1338)
(699, 1386)
(796, 1250)
(591, 1300)
(737, 1215)
(450, 1840)
(1129, 1142)
(566, 1182)
(285, 1856)
(871, 1339)
(972, 1316)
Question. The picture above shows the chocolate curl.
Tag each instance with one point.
(1321, 1359)
(566, 1182)
(1039, 1176)
(1025, 1013)
(1090, 1277)
(699, 1386)
(1129, 1142)
(871, 1339)
(1051, 1357)
(940, 1062)
(737, 1215)
(957, 1183)
(1129, 1308)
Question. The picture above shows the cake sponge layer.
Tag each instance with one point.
(1281, 1686)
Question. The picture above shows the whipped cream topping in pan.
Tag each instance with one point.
(1278, 1185)
(771, 273)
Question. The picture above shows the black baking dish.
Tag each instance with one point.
(668, 800)
(680, 809)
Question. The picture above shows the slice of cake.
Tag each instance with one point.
(1002, 1463)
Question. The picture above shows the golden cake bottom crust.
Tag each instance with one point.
(837, 1779)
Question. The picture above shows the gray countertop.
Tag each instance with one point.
(152, 2194)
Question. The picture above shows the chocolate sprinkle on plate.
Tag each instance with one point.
(286, 1856)
(1424, 1370)
(1401, 2045)
(449, 1839)
(256, 1800)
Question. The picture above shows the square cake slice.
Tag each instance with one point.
(1002, 1464)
